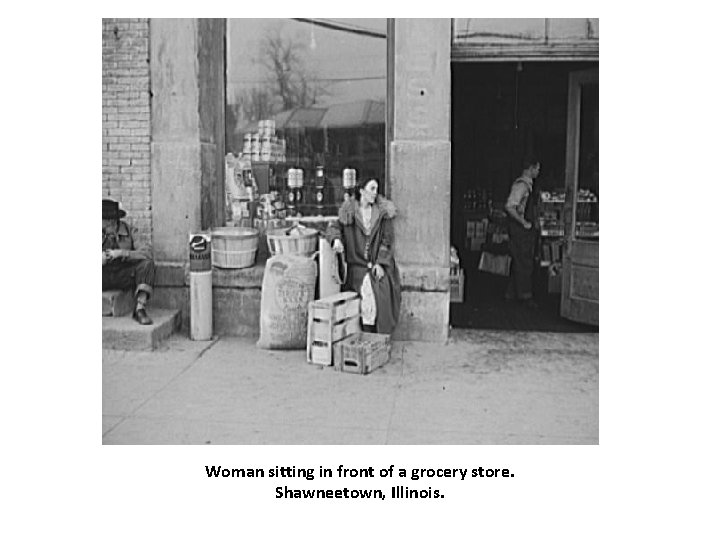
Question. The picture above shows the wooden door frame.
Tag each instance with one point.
(584, 252)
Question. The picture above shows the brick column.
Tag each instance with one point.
(126, 119)
(420, 172)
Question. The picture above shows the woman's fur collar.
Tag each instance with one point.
(347, 210)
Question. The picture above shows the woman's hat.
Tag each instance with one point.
(111, 209)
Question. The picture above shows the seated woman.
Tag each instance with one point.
(366, 236)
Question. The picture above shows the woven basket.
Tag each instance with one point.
(233, 259)
(234, 247)
(283, 242)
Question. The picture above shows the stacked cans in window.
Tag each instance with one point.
(264, 145)
(266, 128)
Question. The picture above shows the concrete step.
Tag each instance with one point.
(127, 334)
(117, 303)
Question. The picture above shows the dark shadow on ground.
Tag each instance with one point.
(485, 308)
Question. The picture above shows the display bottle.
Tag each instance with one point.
(299, 194)
(318, 191)
(250, 185)
(290, 192)
(295, 191)
(349, 182)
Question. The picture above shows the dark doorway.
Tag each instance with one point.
(502, 112)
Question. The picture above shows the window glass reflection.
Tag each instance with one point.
(305, 102)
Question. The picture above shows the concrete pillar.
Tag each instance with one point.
(187, 86)
(420, 172)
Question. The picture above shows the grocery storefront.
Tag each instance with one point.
(366, 96)
(400, 100)
(526, 87)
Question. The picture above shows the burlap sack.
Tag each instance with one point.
(288, 286)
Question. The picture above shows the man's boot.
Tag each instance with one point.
(141, 316)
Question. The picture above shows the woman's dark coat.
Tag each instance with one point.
(376, 248)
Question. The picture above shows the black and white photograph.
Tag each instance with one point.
(350, 276)
(350, 231)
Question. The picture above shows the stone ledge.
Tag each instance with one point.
(245, 278)
(170, 274)
(420, 278)
(236, 309)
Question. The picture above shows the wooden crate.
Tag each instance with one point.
(330, 320)
(363, 353)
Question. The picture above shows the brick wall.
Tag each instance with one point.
(126, 119)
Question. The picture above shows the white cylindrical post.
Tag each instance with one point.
(201, 314)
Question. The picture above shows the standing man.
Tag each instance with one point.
(523, 234)
(124, 264)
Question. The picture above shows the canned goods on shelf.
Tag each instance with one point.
(349, 178)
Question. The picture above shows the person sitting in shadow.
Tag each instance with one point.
(125, 264)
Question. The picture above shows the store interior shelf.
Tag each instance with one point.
(560, 201)
(551, 234)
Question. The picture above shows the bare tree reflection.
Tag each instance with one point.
(289, 83)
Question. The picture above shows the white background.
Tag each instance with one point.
(654, 473)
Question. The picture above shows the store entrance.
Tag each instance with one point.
(503, 112)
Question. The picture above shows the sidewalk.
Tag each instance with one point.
(483, 387)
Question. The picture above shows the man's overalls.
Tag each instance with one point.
(522, 250)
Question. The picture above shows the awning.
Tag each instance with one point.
(343, 115)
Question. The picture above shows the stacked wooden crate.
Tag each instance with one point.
(331, 320)
(335, 339)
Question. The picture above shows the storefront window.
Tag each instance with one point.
(305, 106)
